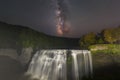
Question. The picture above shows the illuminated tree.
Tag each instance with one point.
(112, 35)
(88, 39)
(116, 34)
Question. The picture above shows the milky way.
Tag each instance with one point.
(63, 26)
(78, 17)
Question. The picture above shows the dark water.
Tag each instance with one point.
(10, 69)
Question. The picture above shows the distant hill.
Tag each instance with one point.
(14, 36)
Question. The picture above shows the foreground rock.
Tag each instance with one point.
(106, 66)
(26, 55)
(10, 69)
(23, 58)
(12, 53)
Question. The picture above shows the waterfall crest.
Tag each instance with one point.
(53, 65)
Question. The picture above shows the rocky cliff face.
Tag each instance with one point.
(12, 53)
(103, 59)
(106, 66)
(26, 55)
(23, 58)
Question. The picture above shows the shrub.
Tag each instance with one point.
(105, 48)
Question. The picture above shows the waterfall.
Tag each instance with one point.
(52, 65)
(82, 64)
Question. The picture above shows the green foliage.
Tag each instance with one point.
(27, 38)
(112, 35)
(100, 41)
(88, 39)
(109, 35)
(116, 34)
(15, 36)
(99, 38)
(8, 35)
(105, 48)
(32, 38)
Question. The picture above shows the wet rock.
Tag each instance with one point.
(25, 56)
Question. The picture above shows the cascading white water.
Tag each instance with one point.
(82, 63)
(76, 72)
(52, 64)
(49, 65)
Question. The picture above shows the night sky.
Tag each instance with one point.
(84, 15)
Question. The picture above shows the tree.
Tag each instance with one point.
(116, 34)
(88, 39)
(99, 38)
(112, 35)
